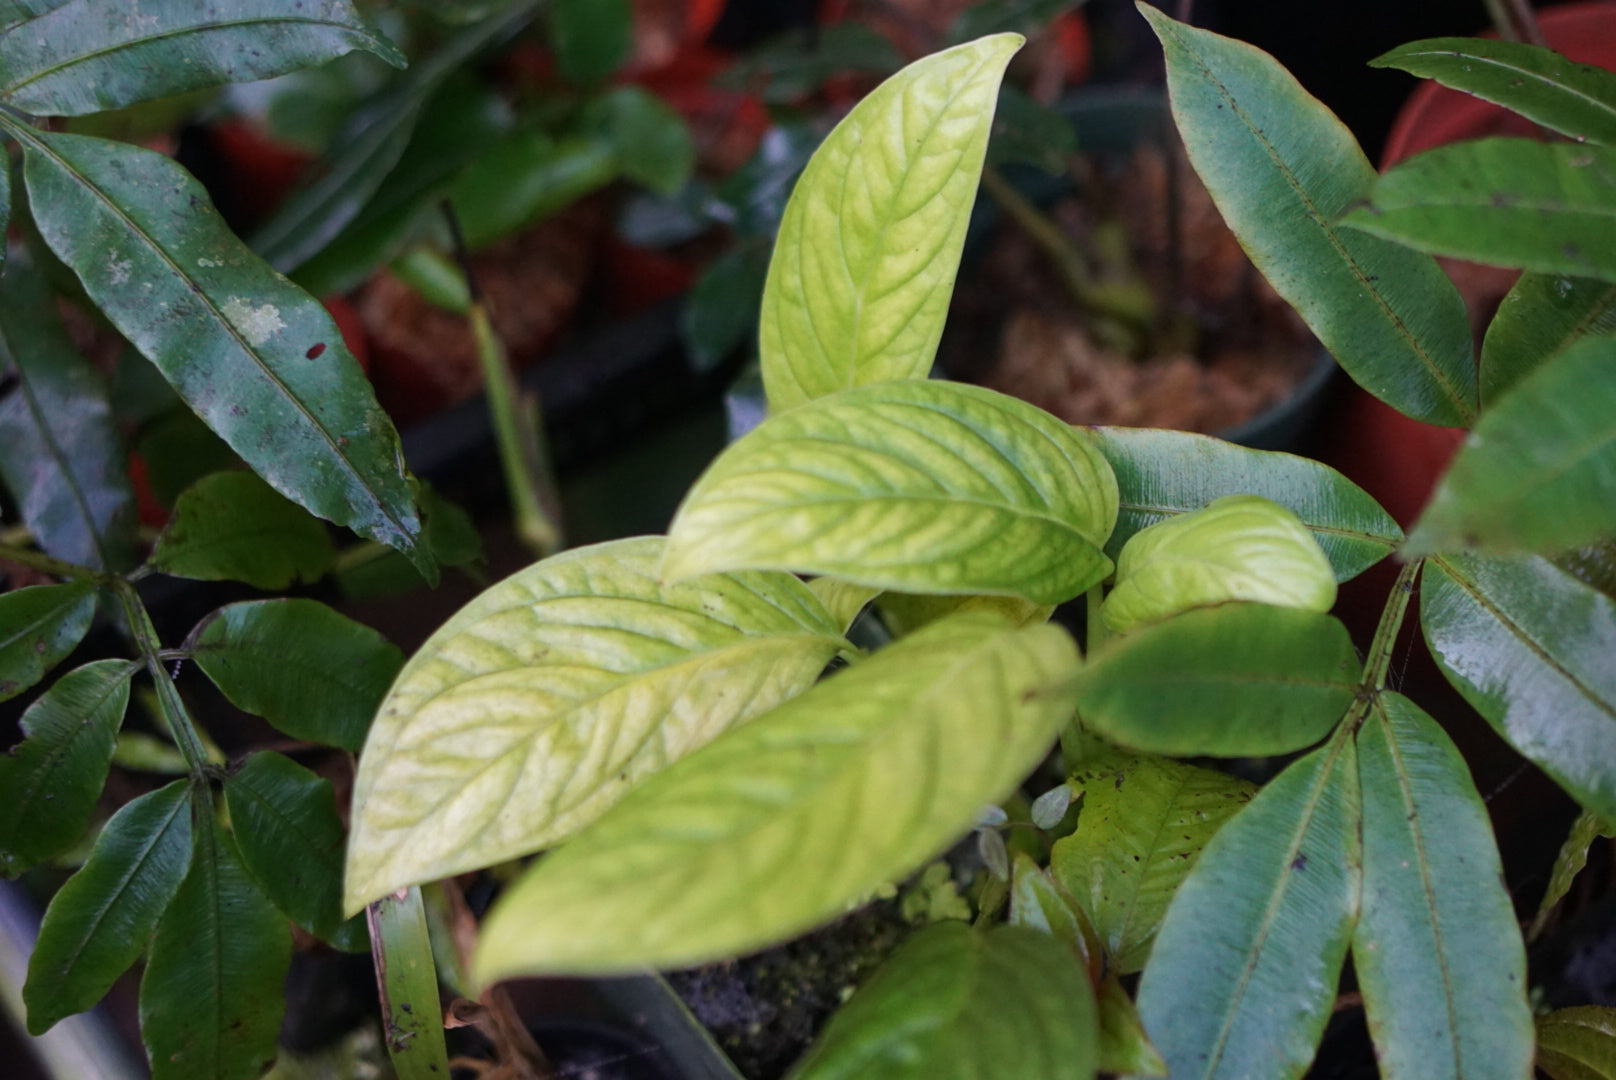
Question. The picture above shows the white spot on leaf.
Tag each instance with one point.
(119, 270)
(257, 324)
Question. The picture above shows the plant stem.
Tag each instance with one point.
(180, 724)
(1379, 660)
(1094, 626)
(1514, 21)
(38, 560)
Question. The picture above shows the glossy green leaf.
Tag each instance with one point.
(1438, 954)
(1038, 901)
(1572, 858)
(313, 673)
(103, 917)
(650, 138)
(1539, 471)
(1243, 973)
(526, 177)
(1143, 825)
(54, 776)
(1549, 207)
(231, 526)
(408, 980)
(87, 56)
(212, 997)
(260, 360)
(1529, 646)
(291, 842)
(1163, 473)
(955, 1003)
(541, 702)
(904, 613)
(783, 823)
(866, 256)
(60, 453)
(1124, 1046)
(1578, 1043)
(1236, 548)
(918, 486)
(1281, 168)
(1229, 681)
(590, 38)
(39, 626)
(1574, 99)
(1542, 316)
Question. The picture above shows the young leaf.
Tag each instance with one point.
(1143, 825)
(1529, 646)
(1229, 681)
(1540, 84)
(212, 997)
(231, 526)
(1543, 315)
(867, 252)
(1124, 1047)
(1244, 970)
(1163, 473)
(1578, 1043)
(1039, 902)
(42, 624)
(1539, 471)
(852, 785)
(955, 1003)
(542, 701)
(1573, 857)
(86, 57)
(257, 358)
(1549, 207)
(1281, 167)
(311, 672)
(291, 842)
(54, 776)
(918, 486)
(1438, 954)
(60, 453)
(103, 917)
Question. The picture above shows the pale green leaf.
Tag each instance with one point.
(1541, 317)
(864, 264)
(541, 702)
(1281, 168)
(101, 920)
(1164, 473)
(231, 526)
(956, 1004)
(1578, 1043)
(87, 56)
(1229, 681)
(1529, 646)
(783, 823)
(916, 486)
(1539, 471)
(1143, 825)
(904, 613)
(1243, 973)
(1572, 858)
(842, 599)
(257, 358)
(1438, 954)
(39, 626)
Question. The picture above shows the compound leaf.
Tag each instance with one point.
(1541, 317)
(783, 823)
(917, 486)
(231, 526)
(42, 624)
(545, 699)
(870, 243)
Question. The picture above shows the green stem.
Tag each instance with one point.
(521, 450)
(38, 560)
(1379, 660)
(407, 977)
(1095, 626)
(180, 724)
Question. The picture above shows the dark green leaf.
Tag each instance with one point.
(954, 1003)
(1233, 680)
(526, 177)
(260, 360)
(60, 453)
(1025, 131)
(1124, 1046)
(103, 917)
(1543, 315)
(179, 449)
(232, 526)
(1244, 971)
(1539, 471)
(757, 192)
(590, 38)
(1572, 858)
(1529, 646)
(796, 64)
(291, 842)
(651, 140)
(1540, 84)
(1164, 473)
(54, 776)
(1549, 207)
(449, 532)
(13, 12)
(1578, 1043)
(996, 16)
(211, 1000)
(1281, 167)
(408, 981)
(1437, 951)
(1143, 825)
(311, 672)
(39, 626)
(721, 310)
(87, 56)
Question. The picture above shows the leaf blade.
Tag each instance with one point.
(1541, 317)
(232, 526)
(1578, 1043)
(43, 624)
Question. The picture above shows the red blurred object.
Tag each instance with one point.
(152, 513)
(638, 277)
(353, 330)
(260, 170)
